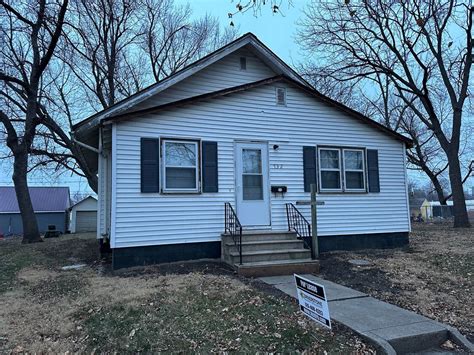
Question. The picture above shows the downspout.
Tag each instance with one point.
(102, 231)
(84, 145)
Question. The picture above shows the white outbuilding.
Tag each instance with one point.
(84, 216)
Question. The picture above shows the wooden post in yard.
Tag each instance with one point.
(314, 224)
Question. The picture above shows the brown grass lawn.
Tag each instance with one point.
(182, 307)
(434, 276)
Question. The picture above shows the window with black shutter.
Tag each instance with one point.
(210, 181)
(347, 170)
(309, 167)
(373, 170)
(180, 166)
(150, 164)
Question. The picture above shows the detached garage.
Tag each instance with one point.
(84, 216)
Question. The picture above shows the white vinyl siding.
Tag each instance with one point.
(223, 74)
(152, 219)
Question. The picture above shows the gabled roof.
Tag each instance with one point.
(44, 199)
(124, 109)
(415, 202)
(269, 58)
(83, 200)
(280, 78)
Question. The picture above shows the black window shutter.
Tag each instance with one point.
(373, 170)
(210, 181)
(150, 164)
(309, 167)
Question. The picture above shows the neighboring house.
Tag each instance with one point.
(49, 203)
(84, 215)
(415, 205)
(239, 126)
(433, 209)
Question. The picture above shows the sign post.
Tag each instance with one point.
(312, 300)
(314, 224)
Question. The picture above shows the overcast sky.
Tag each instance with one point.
(277, 31)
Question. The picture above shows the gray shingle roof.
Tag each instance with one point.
(44, 199)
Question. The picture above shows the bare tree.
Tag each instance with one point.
(30, 31)
(416, 45)
(172, 39)
(257, 6)
(117, 47)
(375, 100)
(99, 47)
(47, 79)
(98, 62)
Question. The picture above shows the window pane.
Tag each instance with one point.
(329, 159)
(252, 187)
(180, 154)
(354, 180)
(330, 180)
(180, 178)
(353, 159)
(252, 161)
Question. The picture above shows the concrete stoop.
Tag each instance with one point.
(268, 253)
(280, 267)
(391, 329)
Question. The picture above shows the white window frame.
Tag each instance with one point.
(364, 176)
(320, 169)
(164, 166)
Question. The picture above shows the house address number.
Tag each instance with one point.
(277, 166)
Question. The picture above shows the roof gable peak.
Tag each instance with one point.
(249, 39)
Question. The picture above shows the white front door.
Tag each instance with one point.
(252, 187)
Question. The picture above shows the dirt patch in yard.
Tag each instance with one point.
(434, 276)
(186, 307)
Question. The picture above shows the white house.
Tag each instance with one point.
(240, 127)
(84, 215)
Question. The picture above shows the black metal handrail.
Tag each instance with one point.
(233, 228)
(298, 223)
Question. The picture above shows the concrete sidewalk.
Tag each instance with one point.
(392, 329)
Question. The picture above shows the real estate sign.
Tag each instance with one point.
(312, 300)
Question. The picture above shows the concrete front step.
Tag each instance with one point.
(269, 255)
(265, 245)
(258, 235)
(278, 267)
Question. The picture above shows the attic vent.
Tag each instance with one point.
(281, 96)
(243, 63)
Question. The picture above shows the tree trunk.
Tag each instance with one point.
(30, 226)
(436, 184)
(461, 218)
(439, 191)
(93, 183)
